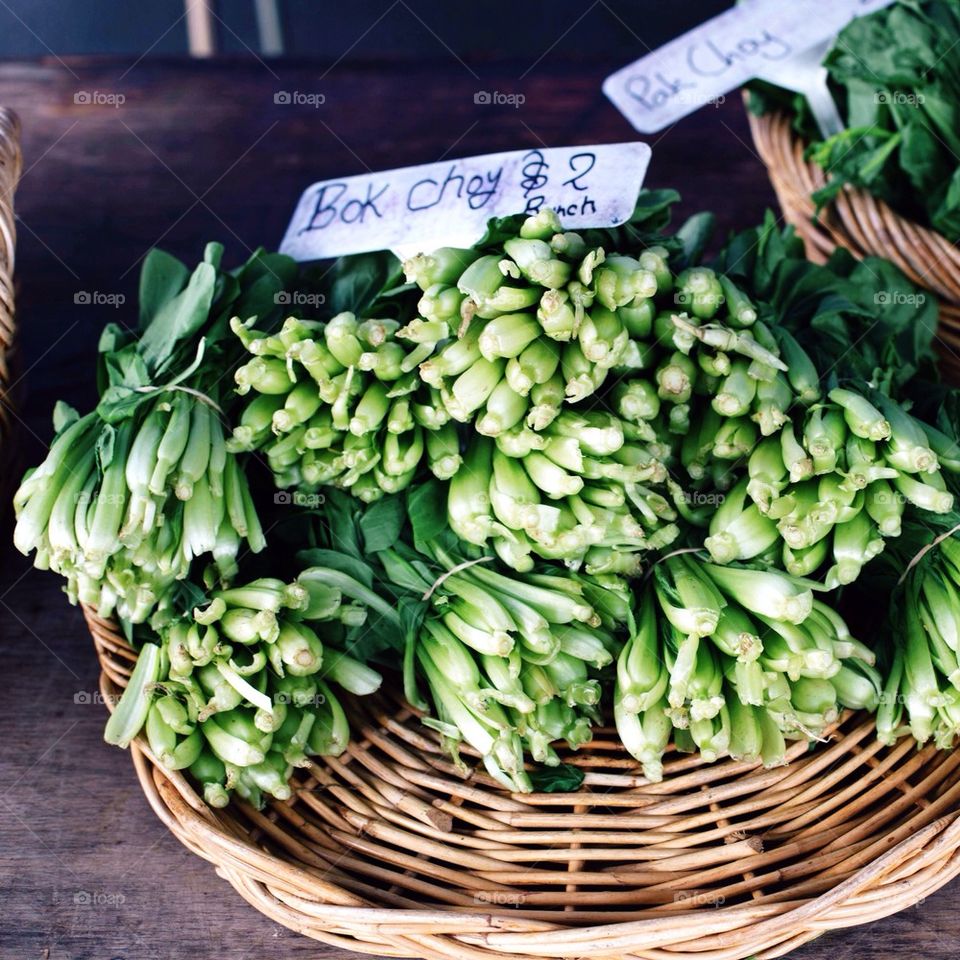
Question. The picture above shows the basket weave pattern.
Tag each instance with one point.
(390, 849)
(863, 224)
(10, 167)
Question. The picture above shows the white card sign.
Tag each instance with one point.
(724, 53)
(449, 203)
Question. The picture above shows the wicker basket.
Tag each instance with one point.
(10, 166)
(391, 850)
(863, 224)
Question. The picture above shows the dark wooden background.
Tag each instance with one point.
(199, 152)
(397, 29)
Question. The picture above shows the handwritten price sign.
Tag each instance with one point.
(449, 203)
(707, 62)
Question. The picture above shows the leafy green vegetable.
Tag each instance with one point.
(861, 320)
(354, 283)
(427, 522)
(335, 559)
(381, 524)
(162, 277)
(131, 494)
(895, 78)
(178, 318)
(561, 779)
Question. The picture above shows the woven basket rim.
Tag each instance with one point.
(11, 165)
(278, 874)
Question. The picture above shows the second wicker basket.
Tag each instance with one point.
(863, 224)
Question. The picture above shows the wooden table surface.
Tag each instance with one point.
(117, 158)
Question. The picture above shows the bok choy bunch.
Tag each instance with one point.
(240, 690)
(921, 693)
(133, 492)
(831, 493)
(731, 661)
(587, 406)
(513, 663)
